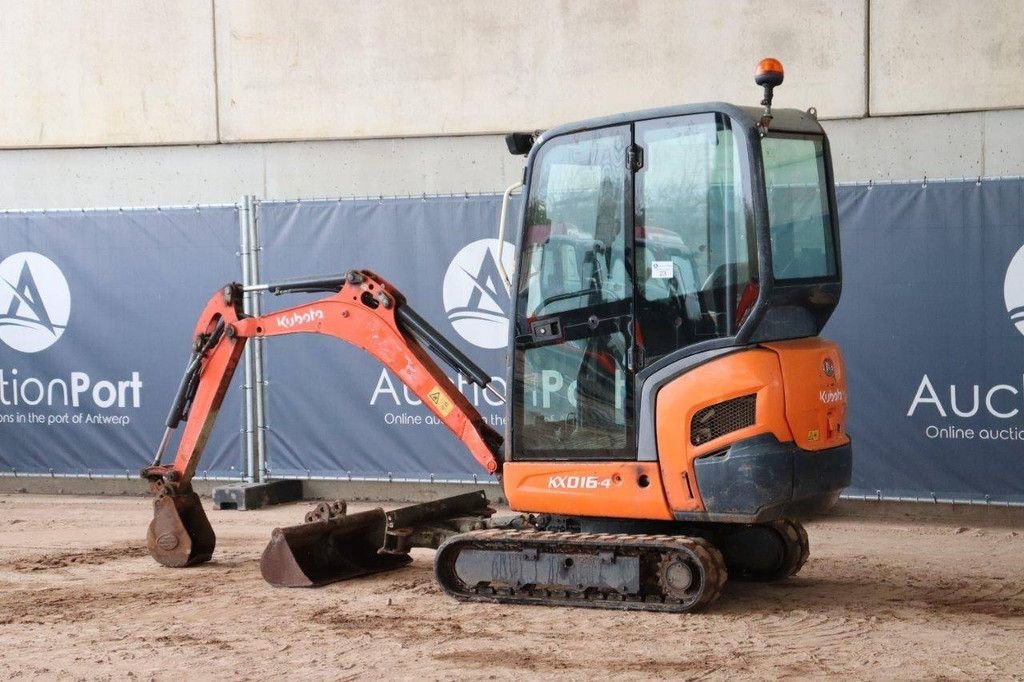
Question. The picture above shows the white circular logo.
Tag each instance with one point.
(35, 302)
(475, 298)
(1013, 290)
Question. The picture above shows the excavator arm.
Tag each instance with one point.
(363, 310)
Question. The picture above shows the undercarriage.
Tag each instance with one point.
(539, 559)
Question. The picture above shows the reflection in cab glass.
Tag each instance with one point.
(639, 243)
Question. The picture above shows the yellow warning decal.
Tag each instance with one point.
(441, 401)
(813, 435)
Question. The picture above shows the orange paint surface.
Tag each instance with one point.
(815, 379)
(749, 372)
(613, 489)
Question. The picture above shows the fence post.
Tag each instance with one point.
(259, 378)
(245, 252)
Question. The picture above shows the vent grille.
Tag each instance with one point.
(722, 418)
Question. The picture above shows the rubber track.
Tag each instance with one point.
(795, 552)
(797, 546)
(503, 540)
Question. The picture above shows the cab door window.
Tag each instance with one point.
(696, 259)
(573, 378)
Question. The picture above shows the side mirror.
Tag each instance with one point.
(519, 144)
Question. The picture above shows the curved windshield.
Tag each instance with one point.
(606, 287)
(574, 253)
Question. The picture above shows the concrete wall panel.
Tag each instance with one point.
(389, 167)
(317, 69)
(105, 72)
(191, 174)
(905, 148)
(1004, 142)
(900, 148)
(946, 55)
(129, 176)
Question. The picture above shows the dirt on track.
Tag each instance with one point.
(80, 598)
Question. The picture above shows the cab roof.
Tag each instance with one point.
(783, 120)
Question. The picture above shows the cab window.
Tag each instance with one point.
(798, 208)
(696, 255)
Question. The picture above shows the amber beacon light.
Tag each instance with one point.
(769, 72)
(769, 75)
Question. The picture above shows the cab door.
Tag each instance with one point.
(696, 254)
(573, 340)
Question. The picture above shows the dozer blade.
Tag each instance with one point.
(180, 534)
(332, 546)
(321, 552)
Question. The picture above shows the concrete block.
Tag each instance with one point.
(107, 72)
(191, 174)
(245, 496)
(945, 55)
(369, 68)
(905, 148)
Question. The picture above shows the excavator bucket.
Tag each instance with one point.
(333, 546)
(180, 534)
(328, 550)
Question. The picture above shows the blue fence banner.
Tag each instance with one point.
(332, 410)
(96, 316)
(96, 310)
(931, 323)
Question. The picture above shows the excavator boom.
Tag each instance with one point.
(363, 310)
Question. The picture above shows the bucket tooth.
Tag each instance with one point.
(327, 551)
(180, 534)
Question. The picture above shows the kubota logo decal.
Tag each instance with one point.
(1013, 290)
(295, 319)
(475, 298)
(832, 396)
(35, 302)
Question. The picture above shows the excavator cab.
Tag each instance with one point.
(659, 246)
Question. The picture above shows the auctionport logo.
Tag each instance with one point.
(474, 295)
(1013, 290)
(35, 302)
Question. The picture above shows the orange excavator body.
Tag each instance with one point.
(789, 407)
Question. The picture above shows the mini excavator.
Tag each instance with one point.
(671, 406)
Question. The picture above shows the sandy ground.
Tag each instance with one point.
(80, 598)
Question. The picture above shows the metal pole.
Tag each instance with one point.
(501, 234)
(248, 441)
(260, 407)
